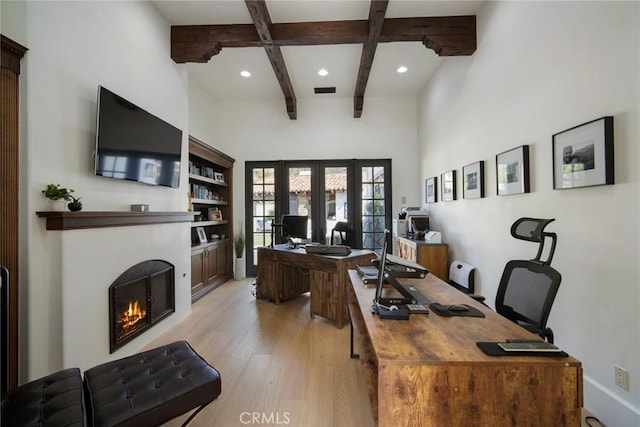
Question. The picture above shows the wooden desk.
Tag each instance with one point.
(428, 371)
(286, 273)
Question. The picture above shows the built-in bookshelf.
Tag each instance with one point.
(210, 198)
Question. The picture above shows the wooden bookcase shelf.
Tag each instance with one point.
(209, 202)
(210, 191)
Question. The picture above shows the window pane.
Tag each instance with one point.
(263, 207)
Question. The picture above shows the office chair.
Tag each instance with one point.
(344, 231)
(528, 288)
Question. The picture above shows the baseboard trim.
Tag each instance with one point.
(609, 408)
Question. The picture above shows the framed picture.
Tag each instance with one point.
(215, 214)
(449, 186)
(583, 155)
(218, 176)
(473, 180)
(431, 189)
(202, 236)
(512, 171)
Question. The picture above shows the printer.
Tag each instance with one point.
(432, 237)
(403, 226)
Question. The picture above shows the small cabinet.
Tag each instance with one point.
(433, 256)
(210, 197)
(211, 266)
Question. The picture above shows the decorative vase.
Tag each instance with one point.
(57, 205)
(240, 269)
(75, 206)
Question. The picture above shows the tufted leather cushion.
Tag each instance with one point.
(55, 400)
(150, 388)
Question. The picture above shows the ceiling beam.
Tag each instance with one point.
(450, 35)
(262, 21)
(445, 35)
(377, 10)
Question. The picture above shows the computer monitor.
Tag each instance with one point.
(382, 265)
(384, 276)
(294, 226)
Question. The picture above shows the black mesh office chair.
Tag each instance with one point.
(344, 231)
(527, 289)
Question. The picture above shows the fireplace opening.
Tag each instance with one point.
(138, 299)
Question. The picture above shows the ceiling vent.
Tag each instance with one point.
(324, 89)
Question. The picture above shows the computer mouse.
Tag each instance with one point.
(393, 307)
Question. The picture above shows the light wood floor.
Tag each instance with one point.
(276, 363)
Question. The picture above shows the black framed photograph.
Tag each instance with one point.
(431, 189)
(448, 185)
(583, 155)
(202, 236)
(473, 180)
(512, 171)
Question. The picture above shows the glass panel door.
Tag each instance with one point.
(327, 191)
(300, 194)
(375, 202)
(336, 199)
(263, 209)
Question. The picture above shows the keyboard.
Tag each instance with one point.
(528, 346)
(341, 250)
(417, 294)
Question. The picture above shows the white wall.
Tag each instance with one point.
(325, 129)
(541, 68)
(73, 48)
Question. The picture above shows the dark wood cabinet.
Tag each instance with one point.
(210, 197)
(211, 266)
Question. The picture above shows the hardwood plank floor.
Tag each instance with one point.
(278, 366)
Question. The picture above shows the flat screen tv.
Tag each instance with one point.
(134, 145)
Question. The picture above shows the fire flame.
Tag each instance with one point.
(132, 315)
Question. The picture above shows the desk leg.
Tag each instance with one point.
(352, 354)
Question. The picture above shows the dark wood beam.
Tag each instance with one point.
(377, 10)
(454, 35)
(262, 21)
(445, 35)
(198, 43)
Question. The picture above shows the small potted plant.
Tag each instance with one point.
(75, 205)
(238, 247)
(58, 195)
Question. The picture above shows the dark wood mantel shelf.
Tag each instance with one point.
(97, 219)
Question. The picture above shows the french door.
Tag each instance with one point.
(326, 191)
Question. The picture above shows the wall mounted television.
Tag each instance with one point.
(134, 145)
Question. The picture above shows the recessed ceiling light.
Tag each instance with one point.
(245, 73)
(322, 72)
(402, 69)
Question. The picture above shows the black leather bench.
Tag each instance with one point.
(145, 389)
